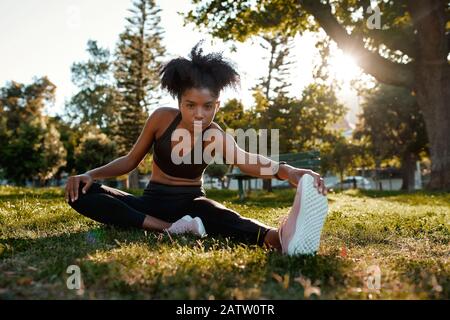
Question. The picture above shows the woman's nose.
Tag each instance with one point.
(198, 115)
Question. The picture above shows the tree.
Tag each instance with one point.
(137, 64)
(70, 136)
(96, 101)
(274, 83)
(95, 149)
(393, 122)
(26, 135)
(410, 49)
(232, 115)
(338, 156)
(217, 171)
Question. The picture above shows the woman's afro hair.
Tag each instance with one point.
(209, 71)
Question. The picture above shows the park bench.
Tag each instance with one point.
(305, 160)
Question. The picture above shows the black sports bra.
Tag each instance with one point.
(162, 150)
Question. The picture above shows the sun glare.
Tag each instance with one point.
(343, 67)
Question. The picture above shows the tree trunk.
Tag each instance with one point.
(433, 95)
(267, 185)
(433, 85)
(133, 179)
(408, 169)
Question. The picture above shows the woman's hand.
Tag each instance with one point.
(295, 174)
(73, 184)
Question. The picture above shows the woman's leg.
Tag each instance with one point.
(219, 220)
(116, 207)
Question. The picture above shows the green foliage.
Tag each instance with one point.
(217, 170)
(232, 115)
(238, 20)
(96, 101)
(94, 150)
(276, 80)
(338, 155)
(241, 19)
(393, 122)
(70, 135)
(136, 69)
(303, 124)
(31, 147)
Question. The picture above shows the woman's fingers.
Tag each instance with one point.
(319, 183)
(73, 184)
(75, 189)
(87, 186)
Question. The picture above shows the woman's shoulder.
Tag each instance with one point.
(163, 112)
(162, 117)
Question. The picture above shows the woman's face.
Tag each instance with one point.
(198, 104)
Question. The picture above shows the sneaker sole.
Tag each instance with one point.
(310, 219)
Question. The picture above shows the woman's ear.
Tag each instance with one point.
(217, 105)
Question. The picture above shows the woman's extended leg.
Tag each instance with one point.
(116, 207)
(298, 233)
(219, 220)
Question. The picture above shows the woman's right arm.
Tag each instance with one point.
(120, 165)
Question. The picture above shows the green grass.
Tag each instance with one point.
(405, 235)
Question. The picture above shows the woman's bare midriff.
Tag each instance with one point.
(159, 176)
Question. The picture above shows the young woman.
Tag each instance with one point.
(175, 193)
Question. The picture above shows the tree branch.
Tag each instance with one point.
(395, 42)
(382, 69)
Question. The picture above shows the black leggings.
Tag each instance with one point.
(169, 203)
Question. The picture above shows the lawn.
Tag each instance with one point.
(406, 236)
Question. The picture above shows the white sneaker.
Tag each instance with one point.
(187, 224)
(300, 231)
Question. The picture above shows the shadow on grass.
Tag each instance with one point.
(194, 281)
(52, 255)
